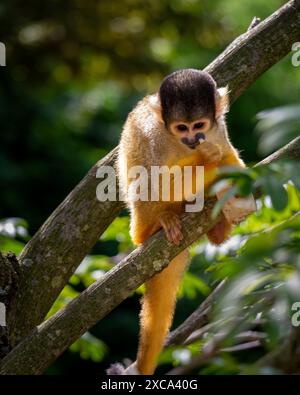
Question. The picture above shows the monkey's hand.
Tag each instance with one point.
(210, 152)
(236, 209)
(172, 226)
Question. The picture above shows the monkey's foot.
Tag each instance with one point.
(131, 370)
(210, 152)
(119, 369)
(220, 232)
(172, 226)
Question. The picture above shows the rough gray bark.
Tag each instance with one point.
(38, 350)
(9, 273)
(58, 247)
(8, 276)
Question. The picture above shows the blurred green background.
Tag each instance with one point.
(74, 70)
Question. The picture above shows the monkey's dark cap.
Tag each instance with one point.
(187, 94)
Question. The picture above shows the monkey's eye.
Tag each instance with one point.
(199, 125)
(182, 128)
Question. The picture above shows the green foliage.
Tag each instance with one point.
(270, 179)
(66, 295)
(13, 235)
(277, 127)
(192, 286)
(119, 230)
(89, 347)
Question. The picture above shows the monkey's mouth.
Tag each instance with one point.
(194, 145)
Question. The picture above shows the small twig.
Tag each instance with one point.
(251, 336)
(254, 23)
(213, 348)
(199, 333)
(196, 320)
(243, 336)
(242, 346)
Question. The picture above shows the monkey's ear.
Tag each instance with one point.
(222, 101)
(155, 105)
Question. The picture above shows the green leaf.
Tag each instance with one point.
(90, 347)
(245, 186)
(295, 177)
(10, 245)
(193, 285)
(277, 193)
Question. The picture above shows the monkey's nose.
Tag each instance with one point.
(200, 136)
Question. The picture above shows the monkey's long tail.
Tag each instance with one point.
(157, 312)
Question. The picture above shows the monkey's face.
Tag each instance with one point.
(191, 134)
(190, 104)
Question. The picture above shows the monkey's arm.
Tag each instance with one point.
(235, 209)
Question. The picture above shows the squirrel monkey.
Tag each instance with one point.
(183, 124)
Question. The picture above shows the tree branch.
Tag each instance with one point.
(196, 320)
(55, 251)
(57, 333)
(290, 150)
